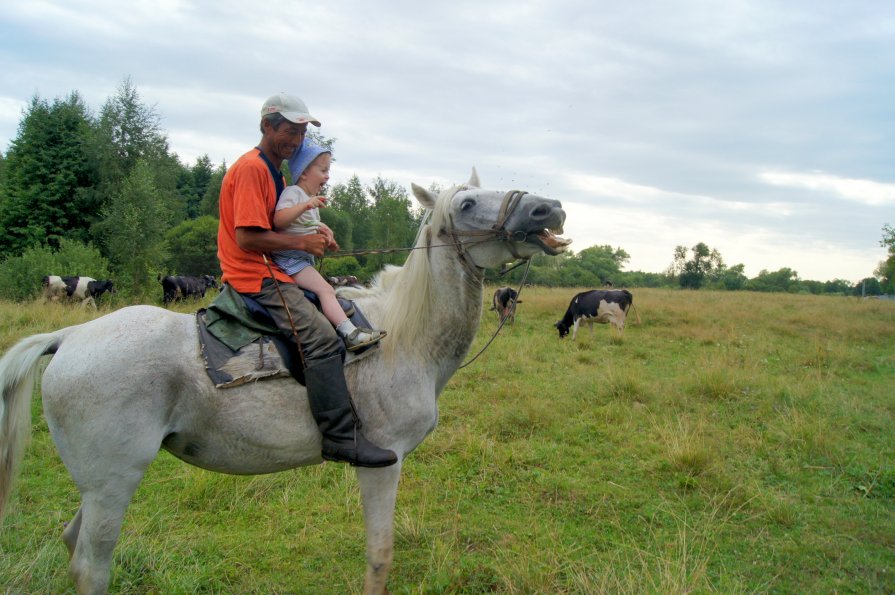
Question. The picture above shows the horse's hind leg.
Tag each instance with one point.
(92, 534)
(107, 468)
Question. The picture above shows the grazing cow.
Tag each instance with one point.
(504, 302)
(596, 305)
(175, 287)
(85, 289)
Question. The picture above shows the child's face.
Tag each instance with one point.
(316, 174)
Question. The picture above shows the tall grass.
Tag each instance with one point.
(731, 442)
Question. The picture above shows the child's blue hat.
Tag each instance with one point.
(303, 156)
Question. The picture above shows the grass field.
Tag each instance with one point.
(731, 442)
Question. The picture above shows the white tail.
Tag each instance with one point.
(17, 371)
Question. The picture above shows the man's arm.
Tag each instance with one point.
(255, 239)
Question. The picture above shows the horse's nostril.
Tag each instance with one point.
(541, 211)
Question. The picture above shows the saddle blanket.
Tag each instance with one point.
(240, 343)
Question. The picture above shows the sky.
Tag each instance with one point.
(764, 129)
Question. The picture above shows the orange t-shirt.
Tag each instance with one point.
(248, 199)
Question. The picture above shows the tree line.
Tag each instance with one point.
(102, 195)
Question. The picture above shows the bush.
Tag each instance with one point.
(341, 266)
(193, 247)
(21, 276)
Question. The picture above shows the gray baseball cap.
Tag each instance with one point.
(292, 108)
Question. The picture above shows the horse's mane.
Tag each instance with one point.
(406, 292)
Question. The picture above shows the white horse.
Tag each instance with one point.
(124, 385)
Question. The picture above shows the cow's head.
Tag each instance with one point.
(562, 328)
(210, 281)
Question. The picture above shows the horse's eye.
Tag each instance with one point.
(467, 204)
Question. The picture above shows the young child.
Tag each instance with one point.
(296, 212)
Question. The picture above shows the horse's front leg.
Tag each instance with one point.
(379, 489)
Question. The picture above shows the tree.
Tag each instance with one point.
(210, 204)
(730, 278)
(886, 270)
(341, 224)
(128, 132)
(393, 223)
(49, 179)
(192, 184)
(592, 267)
(702, 267)
(784, 280)
(867, 286)
(193, 248)
(133, 230)
(351, 199)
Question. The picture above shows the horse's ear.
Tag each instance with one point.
(426, 198)
(474, 179)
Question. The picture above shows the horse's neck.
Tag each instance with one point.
(434, 311)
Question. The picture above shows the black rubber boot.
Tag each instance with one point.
(334, 412)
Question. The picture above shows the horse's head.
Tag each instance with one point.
(495, 227)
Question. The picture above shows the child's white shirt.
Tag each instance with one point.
(306, 223)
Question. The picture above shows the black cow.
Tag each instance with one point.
(504, 303)
(85, 289)
(175, 286)
(596, 305)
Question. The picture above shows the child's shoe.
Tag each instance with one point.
(361, 337)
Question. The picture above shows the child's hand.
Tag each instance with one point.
(315, 202)
(324, 230)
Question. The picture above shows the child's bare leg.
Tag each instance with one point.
(308, 278)
(354, 337)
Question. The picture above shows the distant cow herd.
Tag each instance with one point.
(602, 306)
(86, 290)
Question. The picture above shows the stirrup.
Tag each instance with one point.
(353, 341)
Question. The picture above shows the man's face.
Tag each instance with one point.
(283, 141)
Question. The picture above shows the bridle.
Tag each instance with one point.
(498, 232)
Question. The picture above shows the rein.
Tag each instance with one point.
(504, 320)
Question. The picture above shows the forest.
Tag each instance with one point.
(101, 194)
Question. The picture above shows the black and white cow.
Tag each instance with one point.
(177, 286)
(85, 289)
(597, 305)
(343, 281)
(504, 303)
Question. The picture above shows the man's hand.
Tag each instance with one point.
(314, 243)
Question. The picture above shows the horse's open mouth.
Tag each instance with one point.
(551, 243)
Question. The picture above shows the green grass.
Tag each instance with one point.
(731, 442)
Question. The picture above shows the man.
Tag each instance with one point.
(249, 195)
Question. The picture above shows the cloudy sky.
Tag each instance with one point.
(765, 129)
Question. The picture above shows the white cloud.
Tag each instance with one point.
(867, 192)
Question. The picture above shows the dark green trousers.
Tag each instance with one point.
(317, 337)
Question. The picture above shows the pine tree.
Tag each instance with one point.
(48, 189)
(133, 230)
